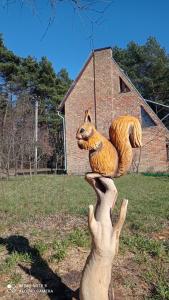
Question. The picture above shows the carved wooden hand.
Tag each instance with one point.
(96, 275)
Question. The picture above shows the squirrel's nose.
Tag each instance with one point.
(78, 136)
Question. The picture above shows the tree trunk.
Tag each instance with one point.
(97, 273)
(21, 165)
(30, 166)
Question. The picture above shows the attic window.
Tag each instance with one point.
(146, 120)
(123, 86)
(167, 148)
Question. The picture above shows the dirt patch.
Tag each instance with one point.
(163, 235)
(50, 227)
(70, 269)
(127, 278)
(63, 221)
(44, 279)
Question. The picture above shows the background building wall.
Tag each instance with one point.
(153, 155)
(110, 103)
(80, 99)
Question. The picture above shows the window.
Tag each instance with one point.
(167, 148)
(123, 86)
(146, 120)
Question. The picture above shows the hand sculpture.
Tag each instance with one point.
(96, 276)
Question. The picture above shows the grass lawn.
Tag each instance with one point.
(44, 237)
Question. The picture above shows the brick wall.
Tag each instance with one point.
(80, 99)
(152, 156)
(104, 89)
(109, 104)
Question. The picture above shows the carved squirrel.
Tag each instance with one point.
(110, 157)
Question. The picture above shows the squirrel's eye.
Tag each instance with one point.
(82, 130)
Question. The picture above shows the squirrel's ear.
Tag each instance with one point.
(87, 118)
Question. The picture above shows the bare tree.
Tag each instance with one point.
(17, 143)
(92, 11)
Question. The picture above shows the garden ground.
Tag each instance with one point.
(44, 238)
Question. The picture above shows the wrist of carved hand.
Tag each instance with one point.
(102, 257)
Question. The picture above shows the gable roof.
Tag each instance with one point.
(142, 99)
(61, 106)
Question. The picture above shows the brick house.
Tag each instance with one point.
(103, 87)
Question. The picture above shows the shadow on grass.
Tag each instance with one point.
(50, 282)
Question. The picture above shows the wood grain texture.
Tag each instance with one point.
(114, 157)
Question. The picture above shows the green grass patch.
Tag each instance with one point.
(158, 174)
(144, 245)
(157, 277)
(13, 259)
(79, 238)
(60, 250)
(76, 238)
(25, 199)
(41, 247)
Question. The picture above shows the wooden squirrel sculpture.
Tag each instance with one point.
(110, 157)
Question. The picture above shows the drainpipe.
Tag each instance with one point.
(64, 137)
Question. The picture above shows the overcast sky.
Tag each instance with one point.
(67, 43)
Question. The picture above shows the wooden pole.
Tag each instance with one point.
(36, 136)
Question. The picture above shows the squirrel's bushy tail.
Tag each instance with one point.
(125, 133)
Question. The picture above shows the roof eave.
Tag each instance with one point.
(61, 105)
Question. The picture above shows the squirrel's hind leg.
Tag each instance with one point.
(125, 161)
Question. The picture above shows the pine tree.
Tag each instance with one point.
(148, 68)
(21, 81)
